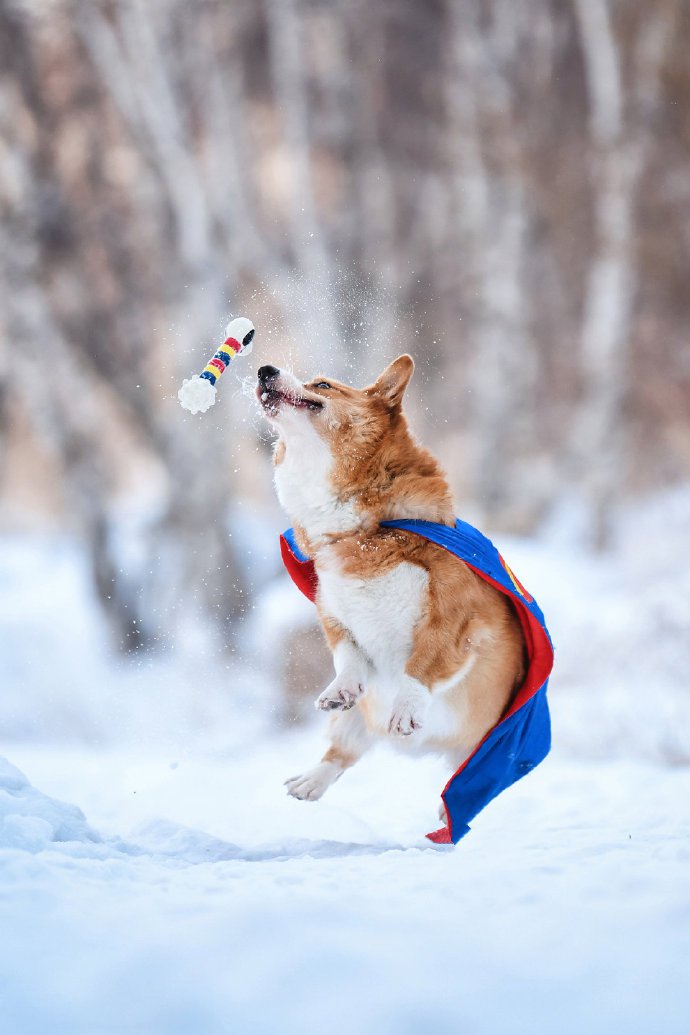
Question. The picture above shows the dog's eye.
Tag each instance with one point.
(322, 384)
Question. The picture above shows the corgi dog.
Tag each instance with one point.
(425, 652)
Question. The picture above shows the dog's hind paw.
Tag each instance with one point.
(312, 785)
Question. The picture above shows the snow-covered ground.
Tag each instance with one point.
(190, 895)
(214, 903)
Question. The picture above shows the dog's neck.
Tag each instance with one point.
(304, 483)
(329, 499)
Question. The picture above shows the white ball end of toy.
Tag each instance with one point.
(241, 328)
(197, 394)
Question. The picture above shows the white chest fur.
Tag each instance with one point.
(380, 612)
(303, 484)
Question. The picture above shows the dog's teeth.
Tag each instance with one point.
(264, 396)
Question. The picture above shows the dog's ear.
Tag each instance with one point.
(393, 381)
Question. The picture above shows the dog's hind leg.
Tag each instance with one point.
(349, 740)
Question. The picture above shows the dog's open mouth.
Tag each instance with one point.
(271, 399)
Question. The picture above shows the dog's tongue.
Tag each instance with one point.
(271, 395)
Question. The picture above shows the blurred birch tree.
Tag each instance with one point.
(501, 189)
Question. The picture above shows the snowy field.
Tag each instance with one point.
(190, 895)
(199, 898)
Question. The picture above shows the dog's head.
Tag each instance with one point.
(344, 457)
(343, 417)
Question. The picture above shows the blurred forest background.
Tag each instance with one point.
(500, 188)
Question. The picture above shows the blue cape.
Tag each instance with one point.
(522, 738)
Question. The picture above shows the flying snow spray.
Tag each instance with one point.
(198, 393)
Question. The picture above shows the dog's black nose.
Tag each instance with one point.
(267, 374)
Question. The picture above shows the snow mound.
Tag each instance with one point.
(30, 820)
(161, 838)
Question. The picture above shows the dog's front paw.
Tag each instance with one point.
(339, 695)
(312, 785)
(408, 716)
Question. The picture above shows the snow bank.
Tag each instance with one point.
(621, 625)
(32, 821)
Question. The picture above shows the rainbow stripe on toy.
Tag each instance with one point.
(230, 348)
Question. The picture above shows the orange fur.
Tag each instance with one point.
(376, 459)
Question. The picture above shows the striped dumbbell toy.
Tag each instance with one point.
(198, 393)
